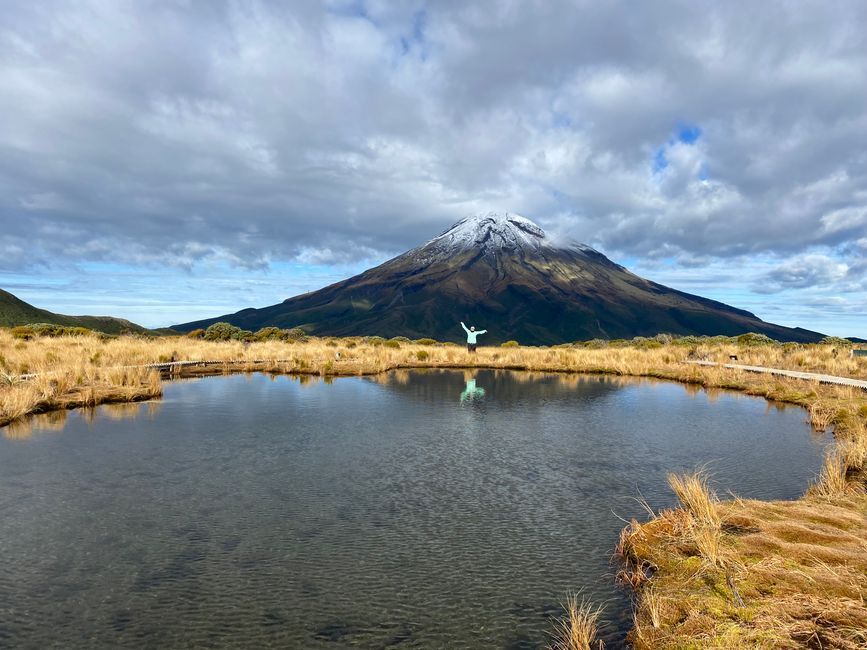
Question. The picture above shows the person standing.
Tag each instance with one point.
(471, 336)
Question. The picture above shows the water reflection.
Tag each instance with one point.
(58, 420)
(472, 392)
(24, 428)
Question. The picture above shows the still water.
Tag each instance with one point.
(414, 510)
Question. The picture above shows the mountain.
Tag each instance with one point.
(503, 273)
(14, 311)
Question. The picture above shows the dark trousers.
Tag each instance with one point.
(471, 347)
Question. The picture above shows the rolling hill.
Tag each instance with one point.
(14, 311)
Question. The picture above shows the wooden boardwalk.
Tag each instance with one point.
(172, 367)
(809, 376)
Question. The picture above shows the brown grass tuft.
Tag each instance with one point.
(579, 626)
(694, 494)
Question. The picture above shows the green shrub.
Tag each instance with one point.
(426, 341)
(269, 334)
(196, 334)
(510, 344)
(422, 355)
(23, 332)
(836, 341)
(400, 339)
(596, 344)
(295, 334)
(48, 329)
(227, 332)
(391, 343)
(374, 340)
(753, 339)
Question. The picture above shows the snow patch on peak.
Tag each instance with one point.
(491, 230)
(490, 233)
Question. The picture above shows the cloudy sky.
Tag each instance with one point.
(165, 160)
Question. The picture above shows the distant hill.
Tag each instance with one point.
(14, 311)
(503, 273)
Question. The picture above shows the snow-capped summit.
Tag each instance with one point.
(500, 229)
(490, 233)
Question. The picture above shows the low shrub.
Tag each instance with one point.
(23, 332)
(754, 339)
(426, 341)
(295, 334)
(270, 334)
(510, 344)
(391, 343)
(227, 332)
(836, 341)
(690, 340)
(422, 355)
(196, 334)
(27, 332)
(643, 343)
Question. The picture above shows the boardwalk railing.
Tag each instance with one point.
(810, 376)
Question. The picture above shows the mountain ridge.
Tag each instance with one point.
(14, 312)
(502, 272)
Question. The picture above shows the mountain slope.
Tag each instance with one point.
(14, 311)
(503, 273)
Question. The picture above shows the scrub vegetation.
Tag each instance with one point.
(710, 573)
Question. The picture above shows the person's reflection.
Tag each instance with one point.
(472, 392)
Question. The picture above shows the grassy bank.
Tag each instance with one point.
(89, 369)
(745, 573)
(708, 574)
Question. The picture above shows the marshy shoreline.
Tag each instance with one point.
(708, 574)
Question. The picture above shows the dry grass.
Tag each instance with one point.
(700, 503)
(694, 494)
(753, 574)
(795, 575)
(78, 363)
(579, 626)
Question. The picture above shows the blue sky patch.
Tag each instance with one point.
(688, 133)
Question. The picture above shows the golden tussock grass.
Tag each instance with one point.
(704, 526)
(794, 575)
(578, 627)
(74, 363)
(740, 573)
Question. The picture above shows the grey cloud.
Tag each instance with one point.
(189, 132)
(804, 271)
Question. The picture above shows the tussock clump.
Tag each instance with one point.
(834, 476)
(578, 628)
(694, 494)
